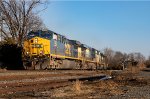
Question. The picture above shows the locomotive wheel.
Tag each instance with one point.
(31, 65)
(44, 65)
(27, 65)
(37, 66)
(86, 66)
(78, 65)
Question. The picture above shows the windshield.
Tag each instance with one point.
(43, 34)
(46, 34)
(32, 34)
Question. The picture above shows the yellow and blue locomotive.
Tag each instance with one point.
(50, 50)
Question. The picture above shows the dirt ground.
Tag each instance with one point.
(127, 84)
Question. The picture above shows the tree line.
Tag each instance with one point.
(120, 60)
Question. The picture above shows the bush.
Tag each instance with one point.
(10, 56)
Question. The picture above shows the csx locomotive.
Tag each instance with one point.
(45, 49)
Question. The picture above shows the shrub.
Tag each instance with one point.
(10, 56)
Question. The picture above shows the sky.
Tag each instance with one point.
(120, 25)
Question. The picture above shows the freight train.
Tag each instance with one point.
(45, 49)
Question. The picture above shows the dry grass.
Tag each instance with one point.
(77, 86)
(109, 72)
(110, 86)
(142, 66)
(68, 91)
(136, 69)
(3, 70)
(107, 85)
(133, 69)
(75, 90)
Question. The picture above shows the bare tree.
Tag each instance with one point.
(147, 62)
(109, 53)
(139, 58)
(19, 18)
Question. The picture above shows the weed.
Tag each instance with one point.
(110, 86)
(77, 86)
(133, 69)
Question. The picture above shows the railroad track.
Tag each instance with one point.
(12, 82)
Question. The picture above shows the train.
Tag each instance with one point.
(45, 49)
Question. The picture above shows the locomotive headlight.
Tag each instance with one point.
(27, 53)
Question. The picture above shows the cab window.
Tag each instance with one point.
(46, 35)
(32, 34)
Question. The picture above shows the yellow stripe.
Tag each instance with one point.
(64, 57)
(60, 56)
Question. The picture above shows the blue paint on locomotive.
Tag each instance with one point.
(93, 53)
(74, 48)
(57, 47)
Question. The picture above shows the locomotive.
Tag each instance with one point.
(45, 49)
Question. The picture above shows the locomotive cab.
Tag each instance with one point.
(36, 49)
(37, 44)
